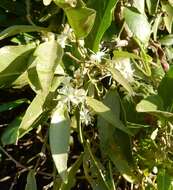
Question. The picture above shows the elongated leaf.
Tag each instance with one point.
(165, 89)
(48, 54)
(117, 76)
(125, 54)
(31, 181)
(13, 30)
(11, 105)
(152, 6)
(140, 5)
(13, 62)
(164, 180)
(93, 170)
(10, 135)
(154, 105)
(59, 135)
(33, 114)
(138, 24)
(168, 18)
(106, 113)
(110, 137)
(155, 26)
(81, 20)
(167, 40)
(103, 21)
(151, 103)
(72, 174)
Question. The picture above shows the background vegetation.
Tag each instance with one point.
(86, 96)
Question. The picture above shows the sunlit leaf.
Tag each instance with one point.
(33, 114)
(59, 134)
(71, 174)
(152, 6)
(16, 29)
(14, 62)
(140, 5)
(138, 24)
(103, 21)
(79, 16)
(48, 55)
(31, 181)
(167, 40)
(81, 20)
(168, 17)
(106, 113)
(155, 106)
(117, 76)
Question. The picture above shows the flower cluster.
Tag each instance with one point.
(64, 36)
(123, 65)
(70, 95)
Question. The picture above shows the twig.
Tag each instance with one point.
(19, 165)
(28, 15)
(12, 159)
(73, 57)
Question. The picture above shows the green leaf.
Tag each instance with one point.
(138, 24)
(151, 103)
(156, 25)
(79, 16)
(110, 137)
(10, 135)
(125, 54)
(103, 20)
(13, 62)
(48, 55)
(140, 5)
(107, 114)
(34, 113)
(11, 105)
(31, 181)
(13, 30)
(72, 174)
(164, 180)
(117, 76)
(154, 105)
(93, 170)
(168, 17)
(167, 40)
(165, 89)
(59, 135)
(81, 20)
(152, 6)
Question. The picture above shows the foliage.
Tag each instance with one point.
(99, 76)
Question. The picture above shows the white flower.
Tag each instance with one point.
(81, 43)
(84, 116)
(124, 66)
(154, 134)
(155, 170)
(63, 37)
(75, 96)
(96, 57)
